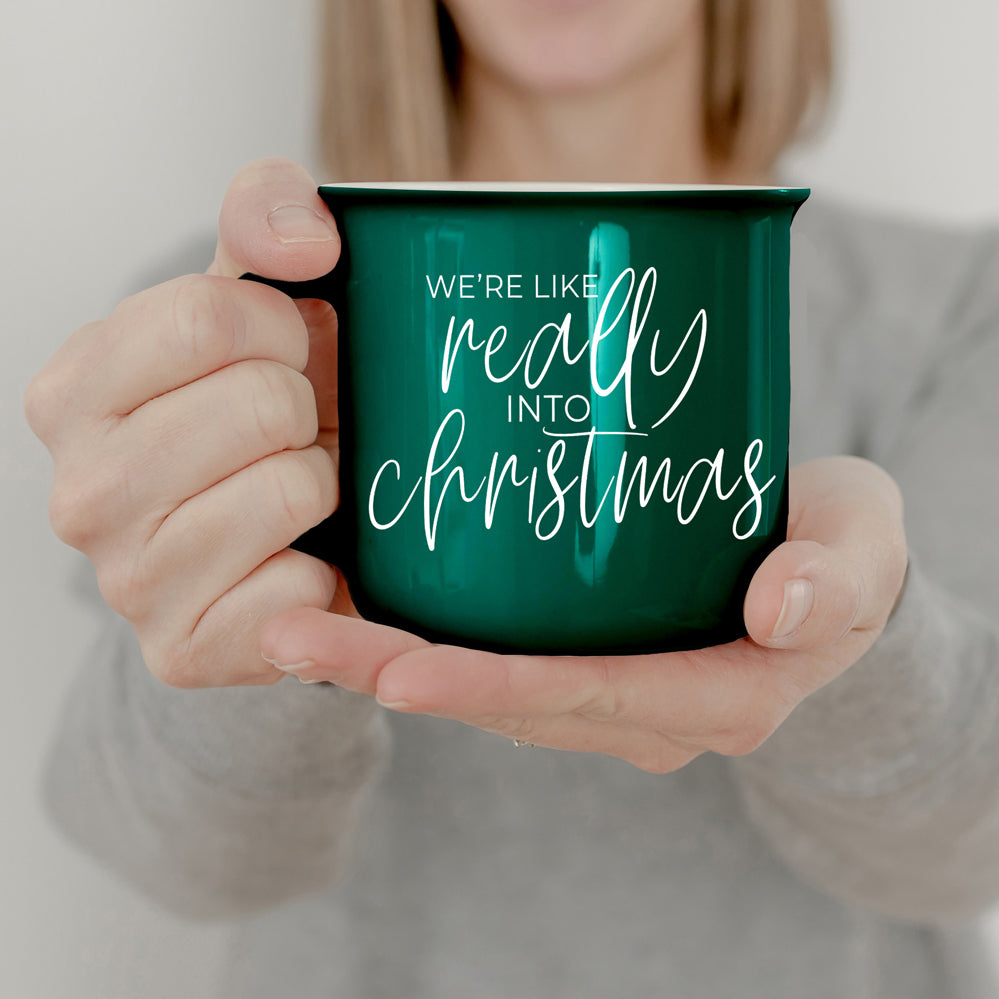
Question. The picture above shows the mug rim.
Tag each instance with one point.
(556, 187)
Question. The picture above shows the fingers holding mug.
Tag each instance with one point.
(321, 369)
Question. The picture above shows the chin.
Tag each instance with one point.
(570, 45)
(553, 70)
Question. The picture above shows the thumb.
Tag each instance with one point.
(843, 564)
(273, 223)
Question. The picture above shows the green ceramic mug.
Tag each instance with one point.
(563, 409)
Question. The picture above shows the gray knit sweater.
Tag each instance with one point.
(360, 855)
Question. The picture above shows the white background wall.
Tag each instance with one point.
(122, 124)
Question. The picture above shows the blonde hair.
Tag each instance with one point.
(389, 69)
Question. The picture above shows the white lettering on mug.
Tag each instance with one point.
(544, 482)
(578, 286)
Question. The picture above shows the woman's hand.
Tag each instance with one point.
(813, 608)
(190, 448)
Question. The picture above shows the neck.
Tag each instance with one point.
(644, 127)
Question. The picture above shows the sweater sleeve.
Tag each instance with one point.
(214, 803)
(883, 787)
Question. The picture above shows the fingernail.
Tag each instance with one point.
(393, 705)
(798, 597)
(298, 224)
(294, 668)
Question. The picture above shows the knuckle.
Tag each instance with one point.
(602, 701)
(283, 407)
(314, 583)
(208, 324)
(177, 658)
(301, 494)
(298, 495)
(125, 587)
(787, 688)
(521, 729)
(192, 655)
(852, 600)
(284, 314)
(115, 590)
(87, 500)
(743, 712)
(51, 390)
(41, 401)
(84, 512)
(661, 757)
(76, 510)
(739, 721)
(743, 738)
(175, 667)
(66, 519)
